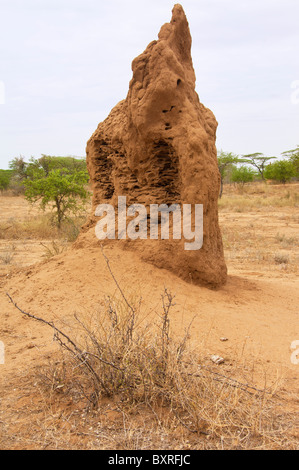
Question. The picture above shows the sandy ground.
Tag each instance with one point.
(257, 311)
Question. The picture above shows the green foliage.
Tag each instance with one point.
(281, 171)
(258, 161)
(41, 167)
(48, 163)
(293, 156)
(5, 178)
(243, 175)
(63, 188)
(18, 167)
(225, 162)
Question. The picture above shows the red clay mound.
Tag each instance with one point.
(158, 147)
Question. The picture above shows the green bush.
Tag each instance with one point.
(243, 175)
(293, 156)
(5, 178)
(62, 189)
(281, 171)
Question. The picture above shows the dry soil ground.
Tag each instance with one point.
(257, 312)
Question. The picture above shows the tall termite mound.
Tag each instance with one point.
(158, 147)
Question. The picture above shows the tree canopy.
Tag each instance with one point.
(60, 183)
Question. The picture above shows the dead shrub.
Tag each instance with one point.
(140, 365)
(281, 258)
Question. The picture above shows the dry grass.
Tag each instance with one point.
(40, 227)
(258, 196)
(251, 246)
(260, 228)
(29, 235)
(128, 376)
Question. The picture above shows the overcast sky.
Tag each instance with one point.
(64, 64)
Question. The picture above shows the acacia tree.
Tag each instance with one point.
(61, 188)
(18, 167)
(293, 156)
(258, 161)
(225, 161)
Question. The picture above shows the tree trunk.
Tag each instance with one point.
(59, 213)
(221, 187)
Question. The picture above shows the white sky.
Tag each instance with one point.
(66, 63)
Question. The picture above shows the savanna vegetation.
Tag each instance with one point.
(120, 382)
(57, 184)
(242, 169)
(62, 181)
